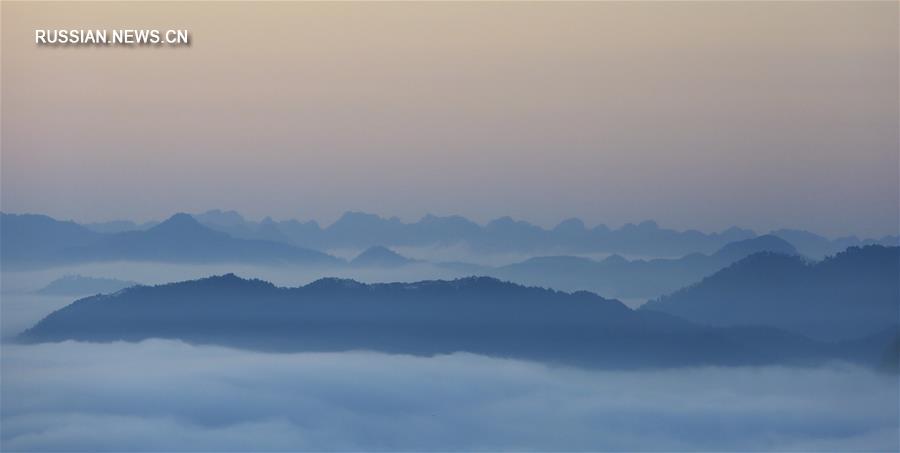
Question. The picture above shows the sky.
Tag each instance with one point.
(696, 114)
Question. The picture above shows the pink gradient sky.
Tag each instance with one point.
(698, 114)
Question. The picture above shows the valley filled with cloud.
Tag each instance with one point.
(168, 395)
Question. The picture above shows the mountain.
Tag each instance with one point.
(735, 251)
(359, 229)
(852, 294)
(78, 285)
(28, 240)
(269, 230)
(477, 314)
(181, 238)
(288, 232)
(818, 247)
(379, 256)
(228, 222)
(505, 234)
(619, 277)
(34, 241)
(443, 230)
(304, 234)
(221, 218)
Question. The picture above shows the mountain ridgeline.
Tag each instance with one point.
(851, 294)
(79, 285)
(38, 241)
(478, 315)
(363, 230)
(618, 277)
(35, 241)
(379, 256)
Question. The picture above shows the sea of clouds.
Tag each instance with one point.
(167, 395)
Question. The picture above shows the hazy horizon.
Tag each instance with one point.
(206, 333)
(549, 225)
(610, 112)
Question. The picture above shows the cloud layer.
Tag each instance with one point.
(166, 395)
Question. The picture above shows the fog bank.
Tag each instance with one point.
(167, 395)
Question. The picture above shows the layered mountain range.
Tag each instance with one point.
(39, 241)
(362, 230)
(619, 277)
(34, 241)
(849, 295)
(478, 314)
(80, 285)
(756, 300)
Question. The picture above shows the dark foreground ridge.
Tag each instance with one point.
(477, 314)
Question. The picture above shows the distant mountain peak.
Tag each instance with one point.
(849, 295)
(358, 222)
(505, 220)
(358, 215)
(79, 285)
(183, 226)
(735, 230)
(765, 243)
(766, 259)
(179, 220)
(380, 256)
(648, 225)
(220, 217)
(571, 225)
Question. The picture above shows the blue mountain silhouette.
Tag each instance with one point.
(41, 241)
(618, 277)
(361, 230)
(30, 240)
(79, 285)
(379, 256)
(852, 294)
(478, 314)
